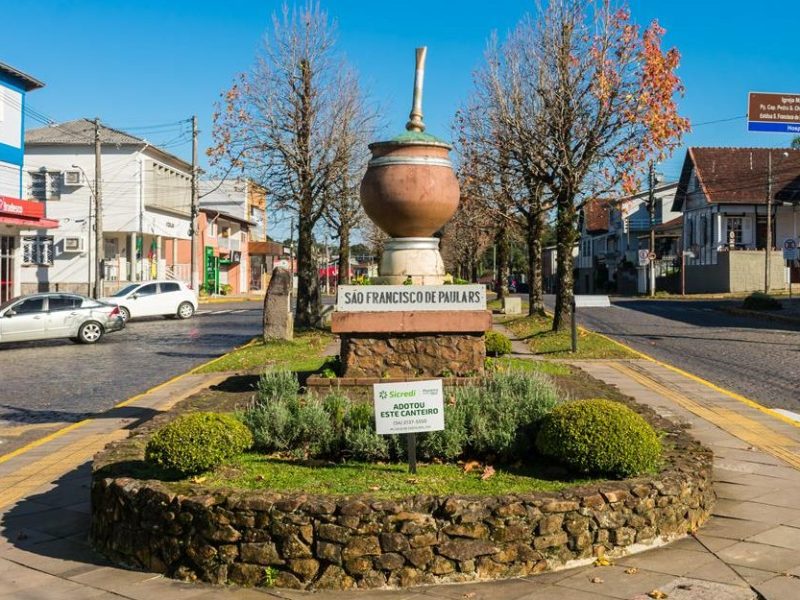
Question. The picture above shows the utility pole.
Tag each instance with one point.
(194, 280)
(98, 214)
(767, 251)
(651, 205)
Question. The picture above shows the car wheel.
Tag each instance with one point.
(185, 310)
(124, 313)
(90, 332)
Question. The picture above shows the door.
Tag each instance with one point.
(6, 268)
(64, 315)
(170, 297)
(26, 323)
(144, 301)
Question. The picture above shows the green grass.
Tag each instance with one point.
(258, 472)
(303, 353)
(507, 363)
(537, 332)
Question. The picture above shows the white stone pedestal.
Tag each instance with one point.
(417, 258)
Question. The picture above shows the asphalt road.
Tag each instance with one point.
(754, 357)
(58, 381)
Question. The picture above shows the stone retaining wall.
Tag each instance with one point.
(305, 541)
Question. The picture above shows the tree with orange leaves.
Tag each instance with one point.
(607, 92)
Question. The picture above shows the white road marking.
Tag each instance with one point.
(787, 413)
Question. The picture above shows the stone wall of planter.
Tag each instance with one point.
(309, 541)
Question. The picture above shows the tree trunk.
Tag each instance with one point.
(535, 228)
(344, 255)
(565, 240)
(308, 300)
(501, 276)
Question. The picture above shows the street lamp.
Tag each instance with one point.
(89, 244)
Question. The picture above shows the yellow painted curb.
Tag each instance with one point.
(679, 371)
(713, 386)
(68, 428)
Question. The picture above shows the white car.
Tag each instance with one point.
(57, 315)
(170, 299)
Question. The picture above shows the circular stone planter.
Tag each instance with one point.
(313, 541)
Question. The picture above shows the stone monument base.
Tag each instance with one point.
(417, 258)
(412, 344)
(412, 355)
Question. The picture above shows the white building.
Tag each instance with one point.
(146, 208)
(612, 233)
(16, 214)
(723, 196)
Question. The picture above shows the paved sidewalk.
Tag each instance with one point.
(750, 546)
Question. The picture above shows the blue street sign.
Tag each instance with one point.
(774, 127)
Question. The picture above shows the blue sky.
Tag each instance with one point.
(144, 63)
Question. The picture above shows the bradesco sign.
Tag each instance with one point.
(409, 407)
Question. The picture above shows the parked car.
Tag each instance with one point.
(57, 315)
(172, 299)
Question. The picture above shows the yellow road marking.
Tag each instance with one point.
(746, 429)
(18, 430)
(713, 386)
(76, 425)
(32, 476)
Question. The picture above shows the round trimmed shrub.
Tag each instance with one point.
(197, 442)
(497, 344)
(600, 437)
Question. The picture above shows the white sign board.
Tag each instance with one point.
(591, 301)
(409, 407)
(644, 257)
(283, 263)
(790, 251)
(382, 298)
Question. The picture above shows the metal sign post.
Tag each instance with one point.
(790, 255)
(585, 301)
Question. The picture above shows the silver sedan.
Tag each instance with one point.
(57, 315)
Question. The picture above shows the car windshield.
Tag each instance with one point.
(125, 291)
(9, 302)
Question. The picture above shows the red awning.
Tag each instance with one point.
(30, 223)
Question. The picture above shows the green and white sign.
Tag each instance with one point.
(409, 407)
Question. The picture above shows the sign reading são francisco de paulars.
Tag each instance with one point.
(409, 407)
(372, 298)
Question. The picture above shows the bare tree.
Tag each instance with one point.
(343, 210)
(281, 123)
(497, 126)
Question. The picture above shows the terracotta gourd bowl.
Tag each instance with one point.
(409, 189)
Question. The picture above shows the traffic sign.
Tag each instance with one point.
(775, 112)
(790, 251)
(644, 257)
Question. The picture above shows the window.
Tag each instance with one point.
(212, 229)
(64, 302)
(31, 305)
(45, 185)
(734, 231)
(148, 290)
(170, 287)
(37, 250)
